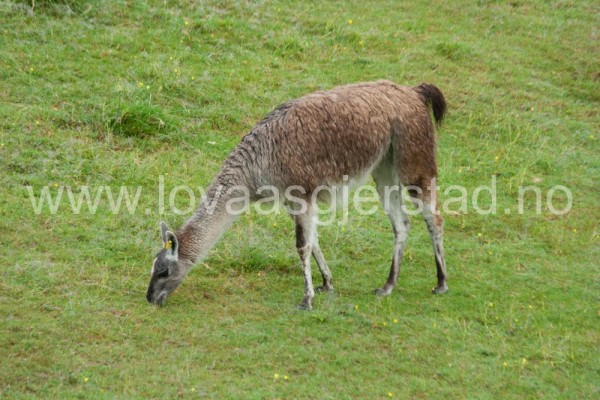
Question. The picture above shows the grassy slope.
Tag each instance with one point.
(522, 316)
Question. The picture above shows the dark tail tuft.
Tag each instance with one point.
(435, 98)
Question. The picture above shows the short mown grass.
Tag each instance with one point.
(119, 93)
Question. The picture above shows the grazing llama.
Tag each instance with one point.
(349, 132)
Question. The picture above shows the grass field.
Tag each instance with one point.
(112, 93)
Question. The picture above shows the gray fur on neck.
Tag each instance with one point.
(200, 233)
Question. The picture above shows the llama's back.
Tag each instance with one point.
(319, 138)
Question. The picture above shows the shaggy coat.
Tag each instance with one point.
(319, 138)
(376, 128)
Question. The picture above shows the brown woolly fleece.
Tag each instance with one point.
(319, 138)
(322, 139)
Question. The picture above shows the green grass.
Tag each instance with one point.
(117, 93)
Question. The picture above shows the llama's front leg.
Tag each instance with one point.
(304, 234)
(325, 271)
(309, 291)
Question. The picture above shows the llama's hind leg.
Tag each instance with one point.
(305, 226)
(434, 226)
(390, 194)
(426, 200)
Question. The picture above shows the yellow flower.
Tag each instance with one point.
(86, 379)
(496, 158)
(285, 377)
(140, 84)
(505, 364)
(361, 42)
(349, 22)
(30, 69)
(390, 394)
(356, 306)
(395, 321)
(385, 324)
(186, 23)
(491, 305)
(193, 389)
(275, 376)
(523, 361)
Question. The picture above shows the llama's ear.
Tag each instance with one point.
(171, 245)
(163, 232)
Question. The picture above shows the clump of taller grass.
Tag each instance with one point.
(140, 120)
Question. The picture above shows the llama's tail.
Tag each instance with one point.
(433, 97)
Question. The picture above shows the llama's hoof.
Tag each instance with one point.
(324, 288)
(440, 289)
(382, 292)
(304, 307)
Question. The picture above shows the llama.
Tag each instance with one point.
(375, 128)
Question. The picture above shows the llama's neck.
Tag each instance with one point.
(214, 216)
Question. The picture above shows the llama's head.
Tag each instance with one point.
(167, 272)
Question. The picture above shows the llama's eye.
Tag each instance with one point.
(163, 273)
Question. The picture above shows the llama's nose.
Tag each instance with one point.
(149, 295)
